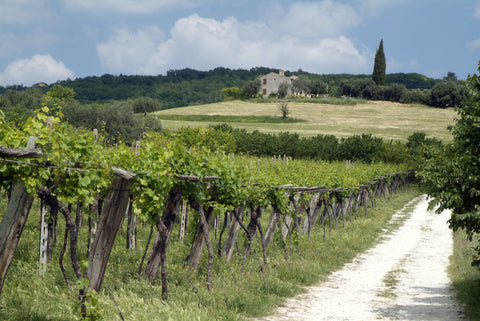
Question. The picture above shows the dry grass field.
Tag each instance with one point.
(382, 119)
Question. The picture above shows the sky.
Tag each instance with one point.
(51, 40)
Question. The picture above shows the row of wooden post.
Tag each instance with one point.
(324, 207)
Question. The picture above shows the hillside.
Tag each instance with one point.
(381, 119)
(192, 87)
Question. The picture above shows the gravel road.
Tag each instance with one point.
(402, 278)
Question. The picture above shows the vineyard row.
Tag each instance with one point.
(294, 211)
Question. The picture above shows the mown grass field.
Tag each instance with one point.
(382, 119)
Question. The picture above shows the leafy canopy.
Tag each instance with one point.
(451, 175)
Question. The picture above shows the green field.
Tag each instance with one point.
(382, 119)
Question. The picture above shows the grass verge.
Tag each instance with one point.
(465, 277)
(258, 291)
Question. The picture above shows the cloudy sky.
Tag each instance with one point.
(50, 40)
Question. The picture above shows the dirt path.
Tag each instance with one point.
(402, 278)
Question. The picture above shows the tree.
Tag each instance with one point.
(301, 85)
(283, 108)
(232, 92)
(379, 67)
(318, 87)
(448, 94)
(395, 92)
(146, 105)
(450, 77)
(282, 90)
(251, 88)
(451, 175)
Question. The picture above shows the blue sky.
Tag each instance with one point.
(50, 40)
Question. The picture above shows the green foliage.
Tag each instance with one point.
(451, 174)
(18, 106)
(443, 94)
(379, 66)
(301, 84)
(251, 88)
(115, 120)
(232, 92)
(411, 80)
(235, 296)
(363, 148)
(448, 94)
(146, 105)
(359, 88)
(465, 277)
(395, 92)
(80, 165)
(318, 87)
(282, 90)
(284, 110)
(208, 138)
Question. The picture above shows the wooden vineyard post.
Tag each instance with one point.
(272, 225)
(193, 259)
(132, 223)
(110, 221)
(93, 220)
(13, 222)
(307, 221)
(233, 233)
(44, 236)
(183, 220)
(158, 256)
(164, 228)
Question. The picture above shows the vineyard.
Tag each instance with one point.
(212, 208)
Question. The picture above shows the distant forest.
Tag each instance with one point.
(191, 87)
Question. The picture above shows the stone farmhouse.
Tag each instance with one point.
(270, 83)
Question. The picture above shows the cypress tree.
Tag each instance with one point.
(379, 67)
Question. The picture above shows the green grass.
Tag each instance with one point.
(258, 291)
(465, 277)
(387, 120)
(391, 280)
(231, 119)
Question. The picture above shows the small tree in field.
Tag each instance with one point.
(284, 110)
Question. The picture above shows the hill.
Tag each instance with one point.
(382, 119)
(192, 87)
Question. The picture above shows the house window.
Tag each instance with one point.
(265, 91)
(264, 81)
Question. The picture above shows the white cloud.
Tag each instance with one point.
(130, 52)
(476, 10)
(374, 7)
(30, 71)
(474, 44)
(18, 12)
(314, 19)
(204, 43)
(126, 6)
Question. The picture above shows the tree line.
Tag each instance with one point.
(190, 87)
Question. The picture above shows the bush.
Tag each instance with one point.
(395, 92)
(146, 105)
(448, 94)
(363, 148)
